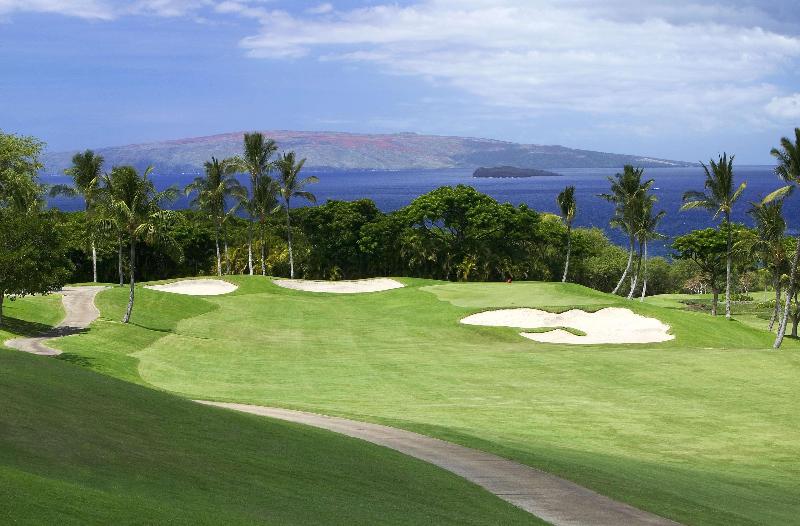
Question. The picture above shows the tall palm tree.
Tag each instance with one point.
(86, 172)
(626, 188)
(788, 169)
(719, 197)
(568, 206)
(256, 161)
(212, 193)
(135, 206)
(290, 185)
(768, 241)
(647, 229)
(264, 202)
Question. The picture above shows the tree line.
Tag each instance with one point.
(453, 233)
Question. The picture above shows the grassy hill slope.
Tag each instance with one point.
(77, 447)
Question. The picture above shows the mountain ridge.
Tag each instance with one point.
(360, 151)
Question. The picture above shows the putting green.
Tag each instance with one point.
(701, 429)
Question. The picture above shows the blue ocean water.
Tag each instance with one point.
(394, 189)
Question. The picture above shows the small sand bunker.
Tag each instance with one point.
(340, 287)
(609, 325)
(196, 287)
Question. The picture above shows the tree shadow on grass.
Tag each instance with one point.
(76, 359)
(23, 328)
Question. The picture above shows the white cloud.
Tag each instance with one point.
(785, 107)
(104, 9)
(663, 61)
(96, 9)
(321, 9)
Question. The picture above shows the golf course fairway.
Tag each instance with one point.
(702, 429)
(78, 447)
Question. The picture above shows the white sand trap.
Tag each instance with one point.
(340, 287)
(609, 325)
(196, 287)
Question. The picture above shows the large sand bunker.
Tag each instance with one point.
(609, 325)
(340, 287)
(196, 287)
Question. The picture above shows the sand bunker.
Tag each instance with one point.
(196, 287)
(610, 325)
(340, 287)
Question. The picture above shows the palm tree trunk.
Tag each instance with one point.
(289, 238)
(644, 280)
(250, 247)
(776, 281)
(119, 261)
(636, 274)
(227, 257)
(627, 268)
(94, 261)
(728, 270)
(263, 253)
(789, 294)
(569, 250)
(219, 257)
(132, 265)
(2, 297)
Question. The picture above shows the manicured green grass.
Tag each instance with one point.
(30, 315)
(702, 429)
(77, 447)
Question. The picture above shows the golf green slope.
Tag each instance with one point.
(77, 447)
(702, 429)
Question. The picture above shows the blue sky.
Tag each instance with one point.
(680, 79)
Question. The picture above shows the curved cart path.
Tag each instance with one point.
(551, 498)
(81, 312)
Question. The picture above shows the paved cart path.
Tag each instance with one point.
(551, 498)
(81, 312)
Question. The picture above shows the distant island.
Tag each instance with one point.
(355, 151)
(512, 172)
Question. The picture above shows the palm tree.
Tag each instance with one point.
(768, 240)
(625, 190)
(788, 169)
(719, 197)
(568, 206)
(135, 207)
(290, 185)
(213, 191)
(86, 172)
(647, 230)
(256, 161)
(264, 202)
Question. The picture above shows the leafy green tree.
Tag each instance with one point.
(291, 185)
(212, 193)
(33, 257)
(256, 160)
(86, 172)
(707, 249)
(135, 207)
(626, 189)
(788, 169)
(19, 168)
(719, 197)
(568, 207)
(334, 230)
